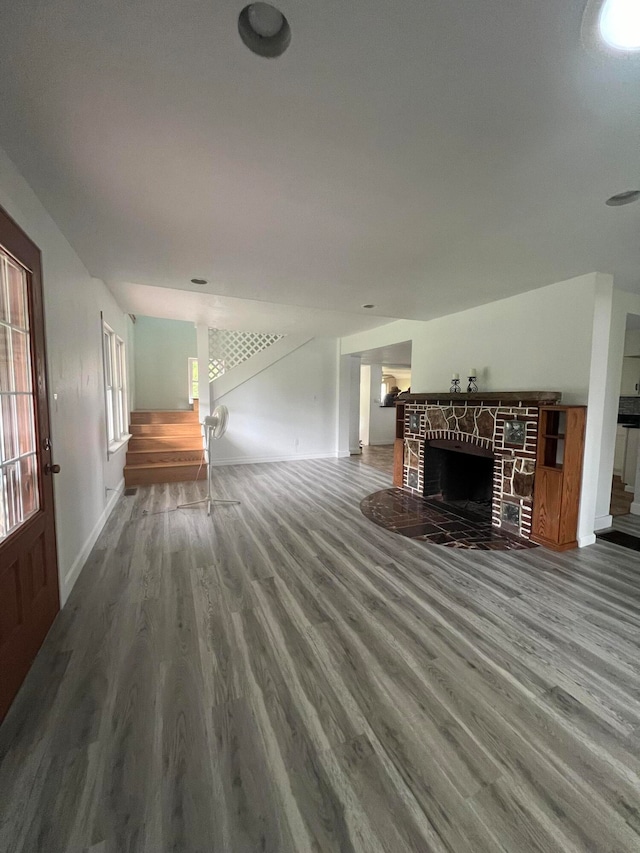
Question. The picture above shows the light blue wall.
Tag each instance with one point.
(162, 350)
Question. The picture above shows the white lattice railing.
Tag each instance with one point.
(228, 349)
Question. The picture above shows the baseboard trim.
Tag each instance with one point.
(583, 541)
(259, 460)
(603, 522)
(78, 564)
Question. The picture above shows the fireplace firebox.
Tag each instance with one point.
(459, 473)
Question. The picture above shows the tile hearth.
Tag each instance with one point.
(436, 522)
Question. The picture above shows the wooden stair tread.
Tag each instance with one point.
(153, 430)
(174, 464)
(165, 442)
(151, 456)
(165, 417)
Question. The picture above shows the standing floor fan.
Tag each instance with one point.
(215, 426)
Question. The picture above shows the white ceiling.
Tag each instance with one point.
(419, 155)
(227, 312)
(395, 355)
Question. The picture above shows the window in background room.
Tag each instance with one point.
(193, 379)
(115, 388)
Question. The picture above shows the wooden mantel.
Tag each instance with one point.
(484, 398)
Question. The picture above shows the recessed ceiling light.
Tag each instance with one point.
(264, 29)
(368, 306)
(620, 24)
(623, 198)
(198, 281)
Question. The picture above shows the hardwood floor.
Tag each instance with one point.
(287, 676)
(628, 524)
(378, 456)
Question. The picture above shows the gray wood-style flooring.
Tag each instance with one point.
(627, 524)
(286, 676)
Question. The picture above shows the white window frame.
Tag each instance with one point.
(191, 397)
(114, 358)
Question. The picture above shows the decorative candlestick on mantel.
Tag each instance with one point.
(455, 384)
(472, 387)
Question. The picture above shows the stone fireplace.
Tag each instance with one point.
(479, 449)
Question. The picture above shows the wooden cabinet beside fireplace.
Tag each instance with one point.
(558, 477)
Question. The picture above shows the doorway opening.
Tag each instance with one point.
(626, 457)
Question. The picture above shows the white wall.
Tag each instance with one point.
(287, 411)
(163, 349)
(597, 403)
(348, 404)
(382, 428)
(365, 402)
(632, 342)
(73, 301)
(537, 340)
(131, 363)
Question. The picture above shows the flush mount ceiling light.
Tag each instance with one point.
(620, 24)
(198, 281)
(368, 306)
(612, 27)
(627, 197)
(264, 29)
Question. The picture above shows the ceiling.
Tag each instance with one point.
(394, 355)
(422, 156)
(228, 312)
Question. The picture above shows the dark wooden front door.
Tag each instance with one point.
(29, 598)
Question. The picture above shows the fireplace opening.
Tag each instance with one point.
(459, 474)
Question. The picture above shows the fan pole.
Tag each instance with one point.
(209, 500)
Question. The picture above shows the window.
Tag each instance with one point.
(193, 379)
(115, 388)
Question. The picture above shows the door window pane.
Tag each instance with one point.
(4, 290)
(12, 495)
(19, 486)
(9, 433)
(5, 352)
(28, 485)
(16, 280)
(26, 432)
(21, 361)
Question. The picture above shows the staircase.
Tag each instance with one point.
(165, 447)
